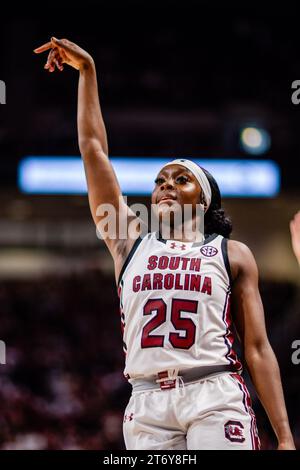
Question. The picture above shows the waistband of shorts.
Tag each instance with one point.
(186, 375)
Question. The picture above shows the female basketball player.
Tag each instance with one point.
(178, 299)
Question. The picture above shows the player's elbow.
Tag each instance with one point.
(91, 148)
(257, 350)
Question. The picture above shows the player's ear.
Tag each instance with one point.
(203, 201)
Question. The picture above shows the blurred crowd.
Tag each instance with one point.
(62, 386)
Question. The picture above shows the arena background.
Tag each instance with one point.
(175, 80)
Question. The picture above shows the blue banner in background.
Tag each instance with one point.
(65, 175)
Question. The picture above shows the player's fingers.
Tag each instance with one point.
(52, 66)
(63, 56)
(65, 44)
(47, 64)
(50, 58)
(58, 62)
(44, 47)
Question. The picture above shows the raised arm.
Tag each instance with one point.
(260, 359)
(103, 186)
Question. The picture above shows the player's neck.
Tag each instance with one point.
(187, 232)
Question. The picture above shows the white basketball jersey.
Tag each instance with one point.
(175, 306)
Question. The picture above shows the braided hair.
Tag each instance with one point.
(215, 220)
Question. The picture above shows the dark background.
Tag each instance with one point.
(175, 80)
(189, 76)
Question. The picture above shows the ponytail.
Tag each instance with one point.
(215, 219)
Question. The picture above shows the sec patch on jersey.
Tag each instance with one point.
(209, 251)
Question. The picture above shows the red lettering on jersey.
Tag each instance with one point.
(157, 281)
(163, 262)
(177, 282)
(174, 262)
(186, 281)
(136, 283)
(169, 281)
(184, 262)
(146, 285)
(206, 288)
(152, 262)
(195, 282)
(195, 264)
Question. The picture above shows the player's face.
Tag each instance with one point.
(175, 184)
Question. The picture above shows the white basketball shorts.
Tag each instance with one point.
(211, 413)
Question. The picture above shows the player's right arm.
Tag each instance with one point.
(103, 186)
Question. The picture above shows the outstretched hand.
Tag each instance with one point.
(63, 51)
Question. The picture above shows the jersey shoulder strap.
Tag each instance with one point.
(133, 250)
(217, 245)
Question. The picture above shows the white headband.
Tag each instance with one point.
(199, 175)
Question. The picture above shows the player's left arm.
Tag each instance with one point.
(248, 316)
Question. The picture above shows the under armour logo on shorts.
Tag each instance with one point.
(128, 418)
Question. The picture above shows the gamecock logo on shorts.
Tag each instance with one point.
(209, 251)
(234, 431)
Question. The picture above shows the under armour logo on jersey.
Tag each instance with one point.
(175, 245)
(234, 431)
(208, 251)
(128, 418)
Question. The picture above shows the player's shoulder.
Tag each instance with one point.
(239, 248)
(240, 257)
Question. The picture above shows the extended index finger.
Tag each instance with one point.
(44, 47)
